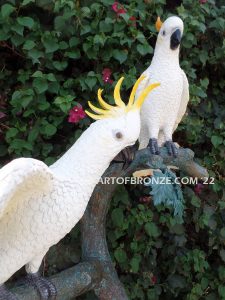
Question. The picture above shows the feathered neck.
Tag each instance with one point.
(87, 159)
(165, 56)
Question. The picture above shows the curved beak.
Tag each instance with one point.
(175, 39)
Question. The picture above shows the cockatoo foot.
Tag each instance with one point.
(45, 288)
(172, 148)
(5, 294)
(126, 156)
(153, 145)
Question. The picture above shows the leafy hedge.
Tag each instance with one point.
(55, 55)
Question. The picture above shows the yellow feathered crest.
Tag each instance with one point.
(107, 110)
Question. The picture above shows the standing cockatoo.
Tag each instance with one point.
(39, 205)
(168, 104)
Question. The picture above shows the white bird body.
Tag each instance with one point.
(46, 202)
(164, 108)
(39, 205)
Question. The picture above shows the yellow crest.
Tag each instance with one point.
(121, 108)
(158, 24)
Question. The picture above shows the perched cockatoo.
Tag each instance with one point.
(39, 205)
(168, 104)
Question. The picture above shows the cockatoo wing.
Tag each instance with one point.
(183, 102)
(23, 175)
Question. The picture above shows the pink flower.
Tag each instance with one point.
(2, 115)
(145, 199)
(154, 279)
(76, 114)
(202, 1)
(133, 21)
(199, 188)
(118, 8)
(106, 74)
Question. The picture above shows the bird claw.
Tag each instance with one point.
(126, 156)
(5, 294)
(153, 145)
(45, 288)
(171, 148)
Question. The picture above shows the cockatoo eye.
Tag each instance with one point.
(118, 135)
(164, 33)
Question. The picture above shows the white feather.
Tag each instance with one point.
(39, 205)
(164, 108)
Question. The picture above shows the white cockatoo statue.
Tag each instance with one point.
(39, 205)
(163, 110)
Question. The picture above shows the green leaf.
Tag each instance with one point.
(17, 40)
(4, 35)
(21, 98)
(54, 87)
(73, 54)
(141, 38)
(117, 217)
(195, 201)
(222, 254)
(74, 41)
(35, 54)
(6, 10)
(25, 2)
(203, 56)
(28, 45)
(165, 190)
(222, 273)
(135, 263)
(50, 44)
(216, 140)
(91, 82)
(120, 255)
(152, 230)
(60, 65)
(40, 85)
(85, 11)
(204, 82)
(177, 229)
(59, 23)
(64, 102)
(222, 232)
(18, 28)
(63, 45)
(105, 26)
(3, 150)
(12, 132)
(85, 29)
(33, 134)
(38, 74)
(51, 77)
(26, 22)
(43, 105)
(221, 291)
(144, 49)
(120, 55)
(50, 129)
(19, 144)
(25, 100)
(99, 39)
(176, 281)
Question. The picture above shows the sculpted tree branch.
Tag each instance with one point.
(96, 271)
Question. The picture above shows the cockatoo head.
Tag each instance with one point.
(170, 33)
(120, 124)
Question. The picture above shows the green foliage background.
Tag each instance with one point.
(52, 56)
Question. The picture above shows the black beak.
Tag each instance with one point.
(175, 39)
